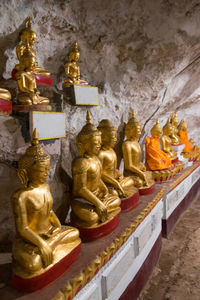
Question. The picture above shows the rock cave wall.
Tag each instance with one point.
(142, 54)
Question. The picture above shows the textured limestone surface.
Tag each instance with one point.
(142, 54)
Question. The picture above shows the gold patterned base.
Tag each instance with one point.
(191, 156)
(164, 175)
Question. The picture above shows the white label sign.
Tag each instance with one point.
(50, 125)
(86, 95)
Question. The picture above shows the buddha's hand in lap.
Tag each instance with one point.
(47, 254)
(102, 212)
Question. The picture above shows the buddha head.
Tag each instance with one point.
(175, 119)
(156, 130)
(183, 125)
(88, 140)
(167, 129)
(133, 128)
(108, 133)
(29, 60)
(33, 166)
(74, 55)
(28, 35)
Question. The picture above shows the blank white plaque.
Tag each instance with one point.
(50, 125)
(86, 95)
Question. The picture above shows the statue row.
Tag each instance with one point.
(99, 193)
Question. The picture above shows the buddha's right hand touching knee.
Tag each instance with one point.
(47, 254)
(102, 212)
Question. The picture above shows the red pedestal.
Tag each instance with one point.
(148, 190)
(91, 234)
(34, 107)
(5, 107)
(28, 285)
(130, 203)
(174, 161)
(40, 79)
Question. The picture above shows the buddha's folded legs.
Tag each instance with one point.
(43, 100)
(26, 257)
(112, 201)
(127, 182)
(24, 99)
(84, 211)
(66, 235)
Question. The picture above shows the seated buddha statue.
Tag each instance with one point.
(41, 241)
(166, 141)
(28, 36)
(93, 203)
(184, 136)
(110, 174)
(132, 155)
(5, 94)
(174, 124)
(72, 70)
(28, 92)
(156, 159)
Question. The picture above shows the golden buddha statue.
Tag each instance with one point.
(93, 203)
(174, 124)
(166, 141)
(72, 70)
(184, 136)
(41, 240)
(28, 92)
(132, 155)
(5, 94)
(156, 159)
(28, 37)
(110, 174)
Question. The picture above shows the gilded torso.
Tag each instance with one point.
(86, 173)
(109, 162)
(131, 151)
(37, 203)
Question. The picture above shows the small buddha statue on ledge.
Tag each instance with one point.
(156, 159)
(28, 37)
(132, 155)
(41, 241)
(166, 141)
(72, 70)
(110, 174)
(28, 92)
(5, 102)
(184, 137)
(5, 94)
(174, 124)
(93, 204)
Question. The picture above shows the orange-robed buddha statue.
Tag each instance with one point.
(156, 159)
(41, 242)
(184, 136)
(93, 204)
